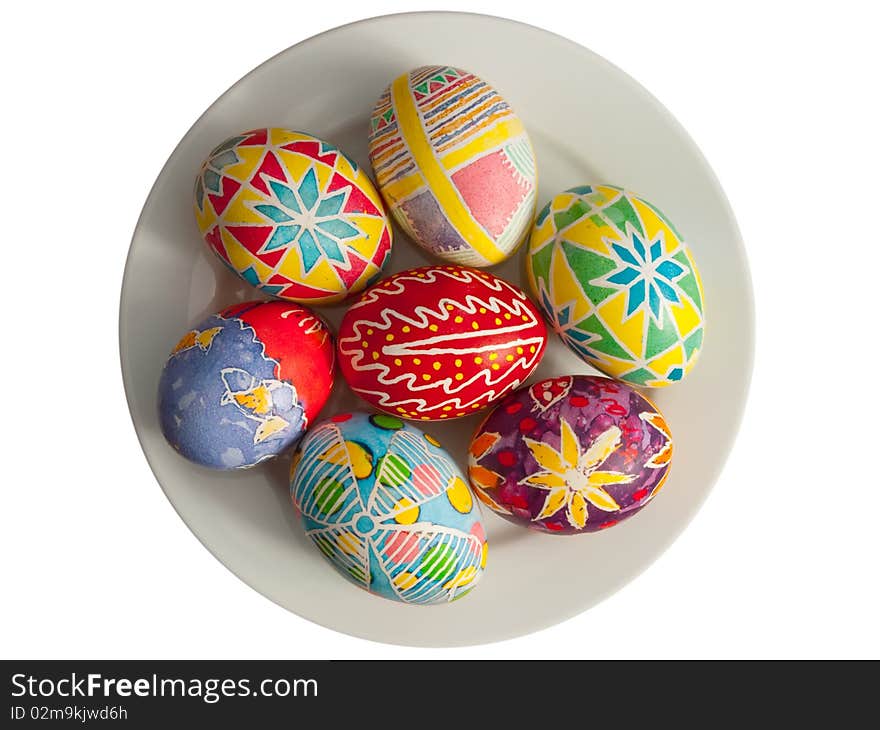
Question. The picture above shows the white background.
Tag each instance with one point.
(782, 561)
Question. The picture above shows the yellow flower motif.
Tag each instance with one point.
(572, 478)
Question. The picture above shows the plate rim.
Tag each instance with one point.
(741, 253)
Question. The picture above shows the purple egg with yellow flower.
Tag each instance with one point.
(570, 454)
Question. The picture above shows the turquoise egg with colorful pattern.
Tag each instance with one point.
(389, 508)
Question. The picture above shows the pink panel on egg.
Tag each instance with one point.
(491, 191)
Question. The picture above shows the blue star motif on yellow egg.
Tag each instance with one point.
(646, 273)
(562, 323)
(310, 218)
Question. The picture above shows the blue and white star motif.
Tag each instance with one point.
(646, 273)
(309, 218)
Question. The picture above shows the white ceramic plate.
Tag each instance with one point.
(589, 123)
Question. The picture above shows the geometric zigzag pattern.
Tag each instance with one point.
(618, 284)
(292, 215)
(454, 164)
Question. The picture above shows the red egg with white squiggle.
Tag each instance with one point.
(439, 342)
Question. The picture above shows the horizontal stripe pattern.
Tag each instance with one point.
(389, 156)
(462, 109)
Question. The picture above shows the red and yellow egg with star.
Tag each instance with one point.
(292, 215)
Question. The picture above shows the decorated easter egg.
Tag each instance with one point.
(245, 384)
(454, 164)
(439, 342)
(570, 454)
(618, 283)
(292, 215)
(389, 508)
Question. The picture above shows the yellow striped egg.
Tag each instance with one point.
(454, 164)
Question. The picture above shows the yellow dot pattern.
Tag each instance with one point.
(427, 373)
(459, 496)
(360, 459)
(406, 512)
